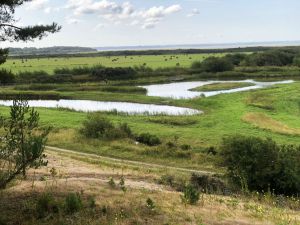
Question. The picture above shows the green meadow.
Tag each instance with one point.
(153, 61)
(272, 112)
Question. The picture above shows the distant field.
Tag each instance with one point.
(49, 64)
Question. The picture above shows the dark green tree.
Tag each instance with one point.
(9, 31)
(22, 145)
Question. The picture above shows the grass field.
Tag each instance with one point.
(49, 64)
(268, 112)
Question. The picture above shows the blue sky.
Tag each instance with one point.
(152, 22)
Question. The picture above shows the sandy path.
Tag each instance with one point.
(130, 162)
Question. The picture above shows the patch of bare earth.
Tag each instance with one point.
(73, 175)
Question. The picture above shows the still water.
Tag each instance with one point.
(124, 107)
(181, 90)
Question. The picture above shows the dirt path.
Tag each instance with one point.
(130, 162)
(79, 173)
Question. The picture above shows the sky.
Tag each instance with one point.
(99, 23)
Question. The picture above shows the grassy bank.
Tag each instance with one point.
(222, 86)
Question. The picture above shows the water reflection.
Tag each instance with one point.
(181, 90)
(124, 107)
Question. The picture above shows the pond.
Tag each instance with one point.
(181, 90)
(124, 107)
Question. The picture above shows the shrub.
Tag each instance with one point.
(190, 195)
(118, 73)
(97, 126)
(91, 202)
(270, 58)
(122, 184)
(288, 175)
(208, 183)
(167, 180)
(236, 59)
(112, 183)
(150, 204)
(126, 129)
(296, 61)
(73, 203)
(211, 150)
(262, 165)
(216, 64)
(6, 77)
(196, 65)
(250, 159)
(148, 139)
(46, 205)
(185, 147)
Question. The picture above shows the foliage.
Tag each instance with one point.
(288, 175)
(296, 61)
(190, 195)
(196, 65)
(261, 165)
(215, 64)
(270, 58)
(148, 139)
(208, 183)
(6, 77)
(236, 59)
(22, 146)
(73, 203)
(150, 204)
(46, 205)
(112, 183)
(122, 184)
(10, 32)
(117, 73)
(97, 126)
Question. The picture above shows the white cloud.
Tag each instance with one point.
(194, 13)
(118, 13)
(36, 4)
(70, 20)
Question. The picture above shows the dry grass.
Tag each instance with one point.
(262, 121)
(77, 175)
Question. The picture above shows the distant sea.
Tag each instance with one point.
(202, 46)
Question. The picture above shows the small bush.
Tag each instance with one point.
(126, 129)
(122, 184)
(150, 204)
(211, 150)
(97, 126)
(209, 184)
(190, 195)
(73, 203)
(148, 139)
(167, 180)
(215, 64)
(112, 183)
(185, 147)
(6, 77)
(91, 202)
(46, 205)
